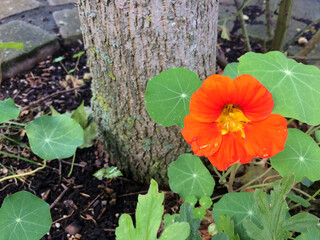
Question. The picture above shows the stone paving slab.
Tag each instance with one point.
(69, 24)
(60, 2)
(38, 44)
(12, 7)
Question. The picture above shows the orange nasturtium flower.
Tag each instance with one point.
(230, 121)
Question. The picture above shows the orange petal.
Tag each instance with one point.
(267, 137)
(231, 151)
(204, 138)
(207, 102)
(254, 99)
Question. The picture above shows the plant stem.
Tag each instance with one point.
(21, 158)
(312, 129)
(14, 141)
(282, 24)
(267, 185)
(71, 169)
(290, 121)
(268, 18)
(15, 123)
(25, 174)
(64, 68)
(253, 180)
(243, 27)
(309, 199)
(302, 192)
(232, 176)
(217, 172)
(223, 177)
(12, 173)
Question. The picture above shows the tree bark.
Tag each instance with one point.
(128, 42)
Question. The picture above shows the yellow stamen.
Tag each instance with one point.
(231, 120)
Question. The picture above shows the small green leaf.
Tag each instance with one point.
(192, 200)
(199, 213)
(54, 137)
(310, 234)
(226, 225)
(90, 134)
(300, 156)
(298, 199)
(307, 182)
(176, 231)
(212, 229)
(188, 176)
(24, 216)
(80, 116)
(224, 32)
(79, 54)
(53, 111)
(58, 59)
(301, 222)
(110, 172)
(205, 202)
(168, 95)
(186, 215)
(295, 87)
(238, 206)
(231, 70)
(8, 110)
(168, 219)
(317, 135)
(13, 45)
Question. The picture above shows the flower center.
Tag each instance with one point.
(231, 120)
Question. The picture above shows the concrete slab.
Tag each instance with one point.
(38, 44)
(306, 9)
(60, 2)
(12, 7)
(69, 24)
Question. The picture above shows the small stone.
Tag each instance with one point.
(302, 41)
(58, 225)
(73, 229)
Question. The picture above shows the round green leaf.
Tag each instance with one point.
(54, 137)
(205, 202)
(295, 87)
(24, 216)
(168, 95)
(188, 176)
(238, 206)
(300, 156)
(8, 110)
(231, 70)
(199, 213)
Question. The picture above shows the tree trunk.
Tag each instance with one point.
(128, 42)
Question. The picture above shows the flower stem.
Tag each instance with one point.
(21, 158)
(290, 121)
(25, 174)
(234, 169)
(224, 175)
(16, 123)
(71, 169)
(217, 172)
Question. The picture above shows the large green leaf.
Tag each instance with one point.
(188, 176)
(148, 219)
(311, 234)
(231, 70)
(24, 216)
(238, 206)
(295, 87)
(54, 137)
(168, 95)
(300, 156)
(8, 110)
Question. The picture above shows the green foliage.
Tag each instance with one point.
(54, 137)
(317, 135)
(169, 219)
(205, 202)
(13, 45)
(168, 95)
(221, 236)
(24, 216)
(8, 110)
(186, 215)
(199, 213)
(312, 233)
(231, 70)
(79, 54)
(238, 206)
(109, 172)
(295, 87)
(273, 215)
(300, 156)
(58, 59)
(81, 116)
(212, 229)
(298, 199)
(148, 219)
(226, 226)
(188, 176)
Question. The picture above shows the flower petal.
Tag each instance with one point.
(267, 137)
(254, 99)
(207, 102)
(204, 137)
(231, 151)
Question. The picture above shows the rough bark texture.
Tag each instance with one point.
(128, 42)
